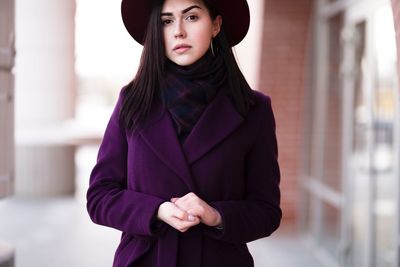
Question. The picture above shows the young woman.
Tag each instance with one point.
(187, 169)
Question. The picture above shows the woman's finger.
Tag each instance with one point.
(179, 213)
(182, 225)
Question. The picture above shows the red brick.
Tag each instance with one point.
(284, 64)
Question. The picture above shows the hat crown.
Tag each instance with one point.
(235, 18)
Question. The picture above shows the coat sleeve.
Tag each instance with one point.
(259, 214)
(109, 202)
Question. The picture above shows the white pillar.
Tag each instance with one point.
(45, 94)
(250, 49)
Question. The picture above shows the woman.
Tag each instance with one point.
(187, 169)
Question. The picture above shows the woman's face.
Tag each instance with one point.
(188, 30)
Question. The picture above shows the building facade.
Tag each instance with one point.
(331, 67)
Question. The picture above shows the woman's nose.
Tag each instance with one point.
(179, 30)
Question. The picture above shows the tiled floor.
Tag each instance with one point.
(58, 233)
(283, 249)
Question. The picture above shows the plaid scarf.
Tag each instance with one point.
(187, 90)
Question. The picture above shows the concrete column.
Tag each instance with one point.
(250, 49)
(45, 95)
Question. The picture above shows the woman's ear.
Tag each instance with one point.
(217, 25)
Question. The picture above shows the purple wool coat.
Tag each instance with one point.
(228, 160)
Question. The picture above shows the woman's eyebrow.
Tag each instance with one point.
(183, 11)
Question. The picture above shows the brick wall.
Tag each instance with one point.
(283, 77)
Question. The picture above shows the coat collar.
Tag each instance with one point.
(218, 120)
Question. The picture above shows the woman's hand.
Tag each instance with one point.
(198, 208)
(176, 217)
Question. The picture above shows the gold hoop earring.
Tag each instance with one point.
(212, 48)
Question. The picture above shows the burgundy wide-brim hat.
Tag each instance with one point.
(235, 18)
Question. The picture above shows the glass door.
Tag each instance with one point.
(370, 84)
(385, 111)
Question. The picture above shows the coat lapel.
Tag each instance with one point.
(161, 137)
(218, 120)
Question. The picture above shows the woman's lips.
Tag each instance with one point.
(182, 48)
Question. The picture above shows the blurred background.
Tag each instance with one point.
(331, 68)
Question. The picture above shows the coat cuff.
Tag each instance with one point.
(148, 219)
(216, 232)
(157, 227)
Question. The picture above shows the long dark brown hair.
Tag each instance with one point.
(144, 89)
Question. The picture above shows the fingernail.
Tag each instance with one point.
(191, 217)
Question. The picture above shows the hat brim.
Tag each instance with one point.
(235, 18)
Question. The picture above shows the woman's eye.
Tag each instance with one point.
(166, 21)
(192, 18)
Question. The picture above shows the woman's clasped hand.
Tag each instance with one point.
(185, 212)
